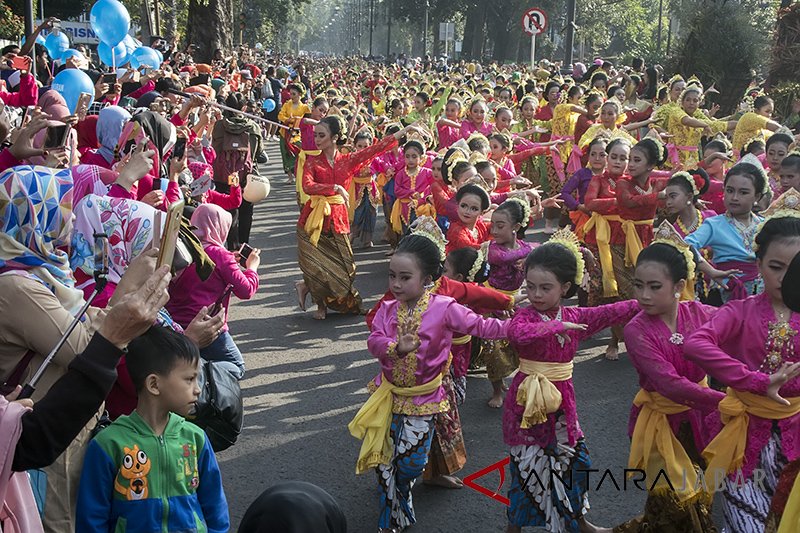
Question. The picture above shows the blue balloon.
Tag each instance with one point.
(70, 83)
(71, 52)
(39, 40)
(144, 56)
(116, 56)
(110, 21)
(269, 105)
(160, 56)
(56, 43)
(130, 43)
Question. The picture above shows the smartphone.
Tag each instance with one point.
(180, 148)
(201, 79)
(56, 136)
(245, 252)
(21, 63)
(156, 184)
(169, 239)
(82, 107)
(100, 255)
(221, 300)
(110, 78)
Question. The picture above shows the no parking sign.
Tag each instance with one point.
(534, 22)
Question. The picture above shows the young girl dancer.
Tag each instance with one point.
(730, 236)
(476, 119)
(470, 229)
(506, 255)
(753, 347)
(544, 436)
(683, 191)
(667, 427)
(365, 196)
(411, 338)
(412, 187)
(579, 183)
(449, 127)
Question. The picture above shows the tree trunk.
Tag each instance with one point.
(210, 27)
(146, 22)
(170, 19)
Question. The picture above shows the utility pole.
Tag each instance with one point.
(569, 43)
(425, 35)
(388, 27)
(371, 23)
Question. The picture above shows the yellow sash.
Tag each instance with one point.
(301, 163)
(426, 209)
(537, 392)
(602, 228)
(396, 216)
(320, 208)
(633, 243)
(507, 293)
(654, 446)
(351, 207)
(373, 422)
(790, 521)
(726, 451)
(460, 341)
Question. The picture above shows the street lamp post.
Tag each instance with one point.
(425, 35)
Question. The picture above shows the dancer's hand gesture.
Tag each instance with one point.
(407, 342)
(777, 380)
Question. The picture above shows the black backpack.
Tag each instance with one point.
(219, 410)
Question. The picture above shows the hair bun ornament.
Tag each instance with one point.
(480, 259)
(566, 238)
(525, 205)
(667, 234)
(417, 137)
(426, 226)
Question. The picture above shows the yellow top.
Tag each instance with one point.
(662, 113)
(595, 130)
(687, 139)
(750, 125)
(291, 114)
(564, 121)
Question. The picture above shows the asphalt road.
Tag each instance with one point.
(306, 379)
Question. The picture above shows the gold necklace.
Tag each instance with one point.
(697, 221)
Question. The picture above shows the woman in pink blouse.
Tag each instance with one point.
(189, 293)
(753, 347)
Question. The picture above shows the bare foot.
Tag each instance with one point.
(496, 401)
(321, 312)
(588, 527)
(612, 353)
(367, 244)
(302, 293)
(389, 253)
(448, 482)
(503, 386)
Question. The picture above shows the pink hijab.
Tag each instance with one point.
(213, 224)
(19, 513)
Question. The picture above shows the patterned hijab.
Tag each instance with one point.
(127, 223)
(213, 224)
(109, 127)
(36, 211)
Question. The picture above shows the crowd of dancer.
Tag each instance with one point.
(671, 227)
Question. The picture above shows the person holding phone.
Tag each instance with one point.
(189, 293)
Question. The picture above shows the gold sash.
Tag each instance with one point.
(537, 393)
(301, 163)
(726, 451)
(460, 341)
(373, 422)
(633, 243)
(654, 446)
(320, 208)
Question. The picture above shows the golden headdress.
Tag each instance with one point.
(476, 157)
(476, 136)
(566, 238)
(667, 234)
(426, 226)
(419, 138)
(524, 204)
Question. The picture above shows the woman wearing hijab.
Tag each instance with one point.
(294, 507)
(110, 122)
(54, 105)
(189, 293)
(38, 301)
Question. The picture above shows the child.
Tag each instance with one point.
(142, 461)
(201, 188)
(500, 145)
(752, 346)
(565, 118)
(545, 436)
(506, 256)
(579, 182)
(448, 126)
(683, 191)
(365, 197)
(777, 149)
(412, 187)
(476, 119)
(790, 172)
(674, 398)
(387, 165)
(411, 338)
(470, 229)
(716, 155)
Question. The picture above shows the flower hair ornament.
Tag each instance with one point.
(475, 136)
(526, 208)
(426, 226)
(787, 205)
(569, 240)
(692, 180)
(666, 234)
(480, 260)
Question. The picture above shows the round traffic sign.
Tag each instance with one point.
(534, 21)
